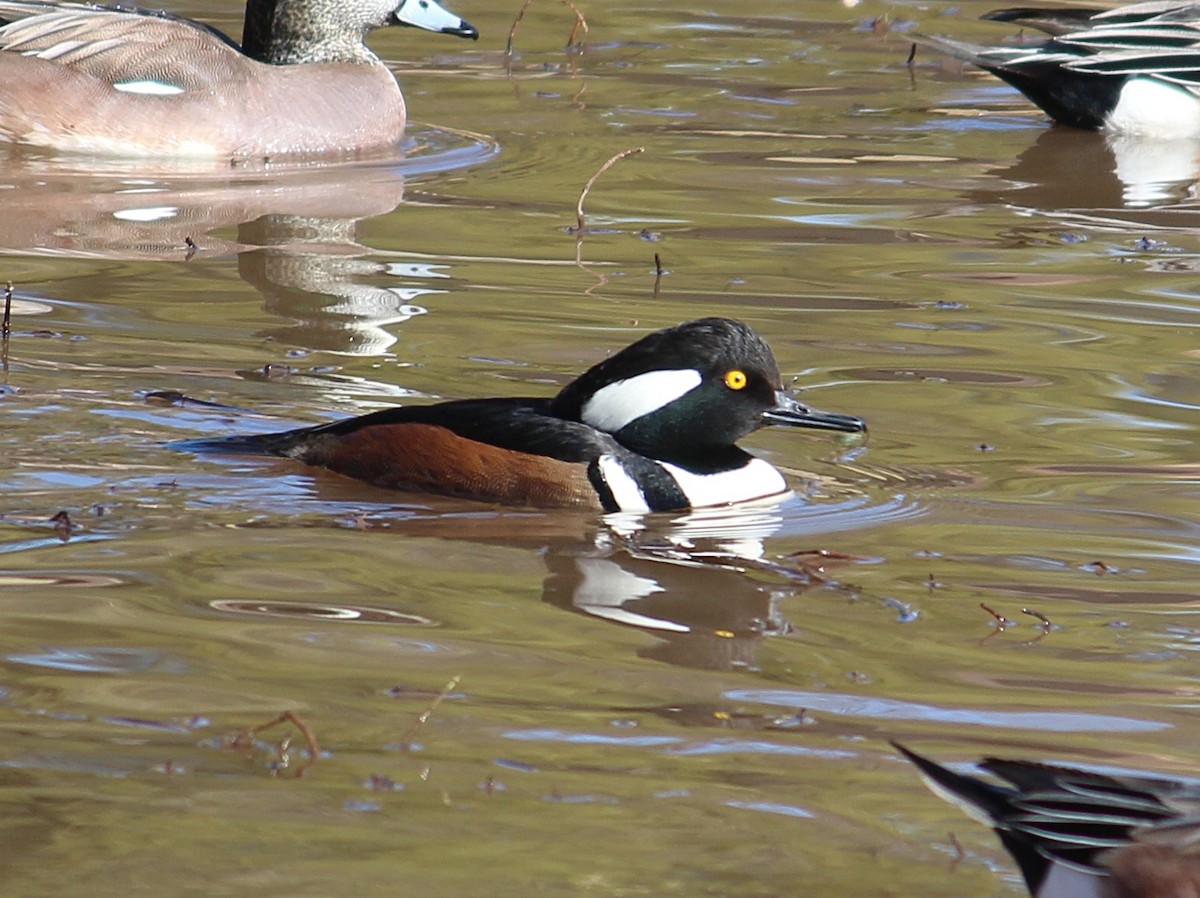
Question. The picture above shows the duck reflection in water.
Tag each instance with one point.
(297, 231)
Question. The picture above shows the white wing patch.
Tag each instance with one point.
(149, 88)
(756, 479)
(612, 407)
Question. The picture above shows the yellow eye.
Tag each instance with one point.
(735, 379)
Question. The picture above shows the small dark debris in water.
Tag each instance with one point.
(378, 782)
(297, 353)
(1041, 617)
(1073, 238)
(276, 371)
(490, 786)
(45, 334)
(6, 389)
(959, 853)
(912, 55)
(649, 236)
(192, 248)
(949, 305)
(1099, 568)
(63, 525)
(1145, 244)
(984, 447)
(168, 768)
(858, 677)
(932, 583)
(1001, 621)
(929, 553)
(658, 269)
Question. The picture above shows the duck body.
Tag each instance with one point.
(1131, 70)
(1079, 834)
(134, 82)
(652, 428)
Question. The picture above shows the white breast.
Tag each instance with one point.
(754, 480)
(1152, 108)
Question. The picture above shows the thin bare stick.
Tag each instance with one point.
(406, 740)
(1033, 612)
(580, 23)
(1001, 620)
(592, 180)
(6, 324)
(244, 737)
(512, 32)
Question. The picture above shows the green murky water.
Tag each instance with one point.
(1016, 321)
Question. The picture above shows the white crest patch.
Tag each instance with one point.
(149, 88)
(624, 489)
(756, 479)
(612, 407)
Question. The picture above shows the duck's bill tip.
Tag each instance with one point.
(790, 413)
(430, 16)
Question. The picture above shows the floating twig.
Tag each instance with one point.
(1001, 620)
(592, 180)
(406, 740)
(245, 737)
(912, 54)
(6, 324)
(658, 273)
(580, 23)
(1045, 620)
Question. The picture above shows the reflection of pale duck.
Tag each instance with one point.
(128, 81)
(1079, 834)
(1134, 69)
(652, 428)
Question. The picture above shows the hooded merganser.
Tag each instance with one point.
(1134, 69)
(1078, 834)
(653, 428)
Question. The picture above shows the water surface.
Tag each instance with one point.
(637, 707)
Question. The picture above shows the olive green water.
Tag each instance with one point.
(636, 712)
